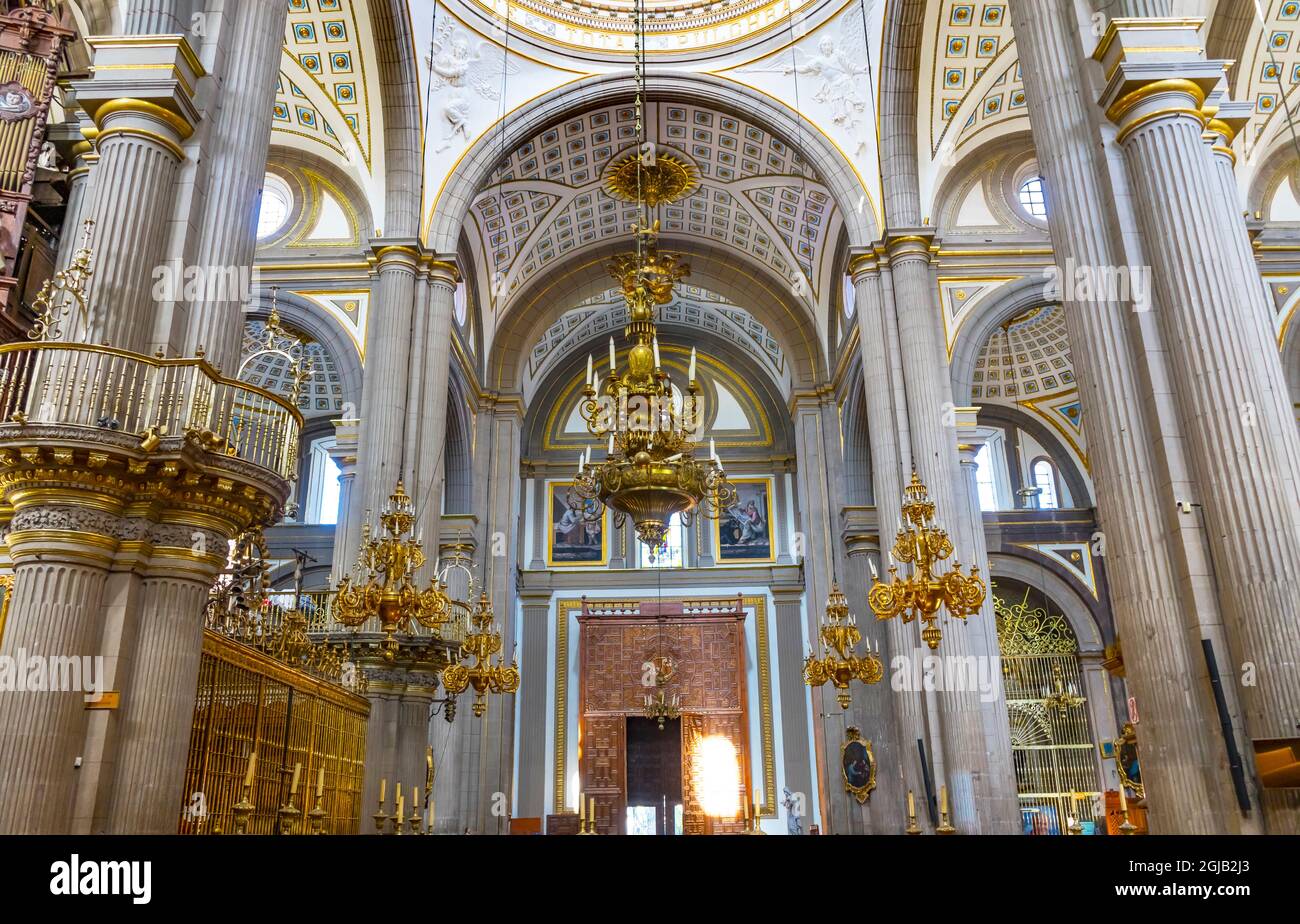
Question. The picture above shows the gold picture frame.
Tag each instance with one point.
(559, 490)
(722, 558)
(857, 765)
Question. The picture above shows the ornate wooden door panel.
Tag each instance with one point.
(707, 652)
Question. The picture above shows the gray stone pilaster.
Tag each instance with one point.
(796, 761)
(535, 626)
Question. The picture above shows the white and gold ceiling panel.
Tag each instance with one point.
(756, 194)
(967, 55)
(294, 113)
(695, 307)
(331, 41)
(1027, 365)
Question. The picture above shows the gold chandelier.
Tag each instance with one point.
(840, 665)
(483, 641)
(923, 546)
(383, 583)
(1061, 697)
(650, 473)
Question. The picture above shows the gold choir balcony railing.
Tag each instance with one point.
(318, 607)
(102, 388)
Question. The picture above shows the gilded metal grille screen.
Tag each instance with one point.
(1051, 742)
(245, 697)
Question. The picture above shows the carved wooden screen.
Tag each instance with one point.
(707, 648)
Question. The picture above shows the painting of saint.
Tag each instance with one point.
(745, 530)
(577, 535)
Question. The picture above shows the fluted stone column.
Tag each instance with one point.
(493, 762)
(143, 120)
(978, 776)
(813, 485)
(791, 647)
(240, 136)
(61, 557)
(397, 738)
(887, 466)
(1163, 672)
(76, 140)
(429, 391)
(159, 17)
(384, 398)
(344, 454)
(533, 772)
(159, 685)
(1242, 432)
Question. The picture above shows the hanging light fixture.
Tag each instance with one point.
(485, 675)
(922, 595)
(839, 636)
(383, 583)
(650, 473)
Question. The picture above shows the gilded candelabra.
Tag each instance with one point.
(483, 642)
(661, 705)
(384, 583)
(840, 664)
(924, 545)
(650, 473)
(1060, 697)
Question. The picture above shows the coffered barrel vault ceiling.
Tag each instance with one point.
(756, 194)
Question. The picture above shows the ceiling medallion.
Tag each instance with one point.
(654, 179)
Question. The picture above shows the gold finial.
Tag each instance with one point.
(60, 292)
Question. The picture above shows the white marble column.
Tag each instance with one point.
(235, 162)
(1241, 429)
(1164, 673)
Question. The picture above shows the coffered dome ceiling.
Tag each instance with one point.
(756, 195)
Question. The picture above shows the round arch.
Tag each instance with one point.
(1083, 612)
(1011, 300)
(759, 291)
(449, 210)
(303, 315)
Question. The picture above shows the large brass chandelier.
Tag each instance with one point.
(383, 584)
(486, 674)
(650, 473)
(924, 545)
(839, 664)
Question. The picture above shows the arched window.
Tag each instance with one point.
(322, 484)
(277, 202)
(850, 297)
(1033, 199)
(668, 555)
(984, 479)
(1045, 481)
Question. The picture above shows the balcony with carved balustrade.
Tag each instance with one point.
(140, 438)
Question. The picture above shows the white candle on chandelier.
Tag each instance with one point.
(587, 460)
(875, 575)
(611, 444)
(579, 463)
(588, 368)
(655, 344)
(691, 375)
(611, 355)
(713, 450)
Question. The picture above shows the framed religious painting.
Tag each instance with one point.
(575, 535)
(744, 533)
(858, 765)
